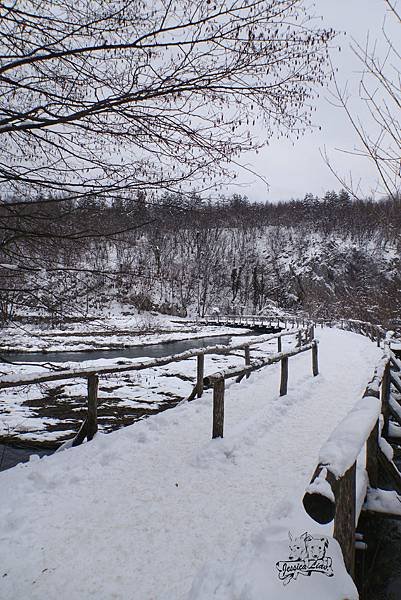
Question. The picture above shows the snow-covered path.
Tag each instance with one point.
(137, 514)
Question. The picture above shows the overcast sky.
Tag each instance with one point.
(294, 170)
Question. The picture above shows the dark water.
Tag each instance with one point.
(150, 351)
(12, 455)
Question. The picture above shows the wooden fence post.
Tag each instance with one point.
(372, 333)
(372, 451)
(200, 368)
(247, 358)
(218, 408)
(385, 397)
(344, 521)
(284, 376)
(279, 344)
(315, 361)
(93, 383)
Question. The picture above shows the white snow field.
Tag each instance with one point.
(159, 511)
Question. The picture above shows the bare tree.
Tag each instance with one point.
(99, 96)
(105, 100)
(378, 130)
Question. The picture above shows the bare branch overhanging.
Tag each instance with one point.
(97, 95)
(378, 130)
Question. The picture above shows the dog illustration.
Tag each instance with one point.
(316, 547)
(298, 550)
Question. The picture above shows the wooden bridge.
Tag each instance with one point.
(367, 442)
(361, 451)
(262, 322)
(375, 427)
(360, 443)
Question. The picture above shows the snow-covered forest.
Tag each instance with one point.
(323, 257)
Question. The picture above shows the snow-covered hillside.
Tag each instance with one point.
(159, 511)
(186, 270)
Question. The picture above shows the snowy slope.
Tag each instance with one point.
(145, 512)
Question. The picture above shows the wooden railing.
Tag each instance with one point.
(335, 491)
(376, 333)
(88, 428)
(217, 380)
(371, 330)
(264, 320)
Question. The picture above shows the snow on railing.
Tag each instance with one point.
(340, 482)
(8, 381)
(262, 320)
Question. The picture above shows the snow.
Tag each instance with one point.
(321, 486)
(361, 545)
(254, 574)
(386, 448)
(361, 486)
(159, 511)
(396, 379)
(345, 443)
(395, 406)
(394, 430)
(384, 501)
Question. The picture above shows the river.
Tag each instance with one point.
(12, 455)
(149, 350)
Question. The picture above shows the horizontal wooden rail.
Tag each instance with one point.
(31, 378)
(256, 364)
(217, 380)
(332, 493)
(89, 426)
